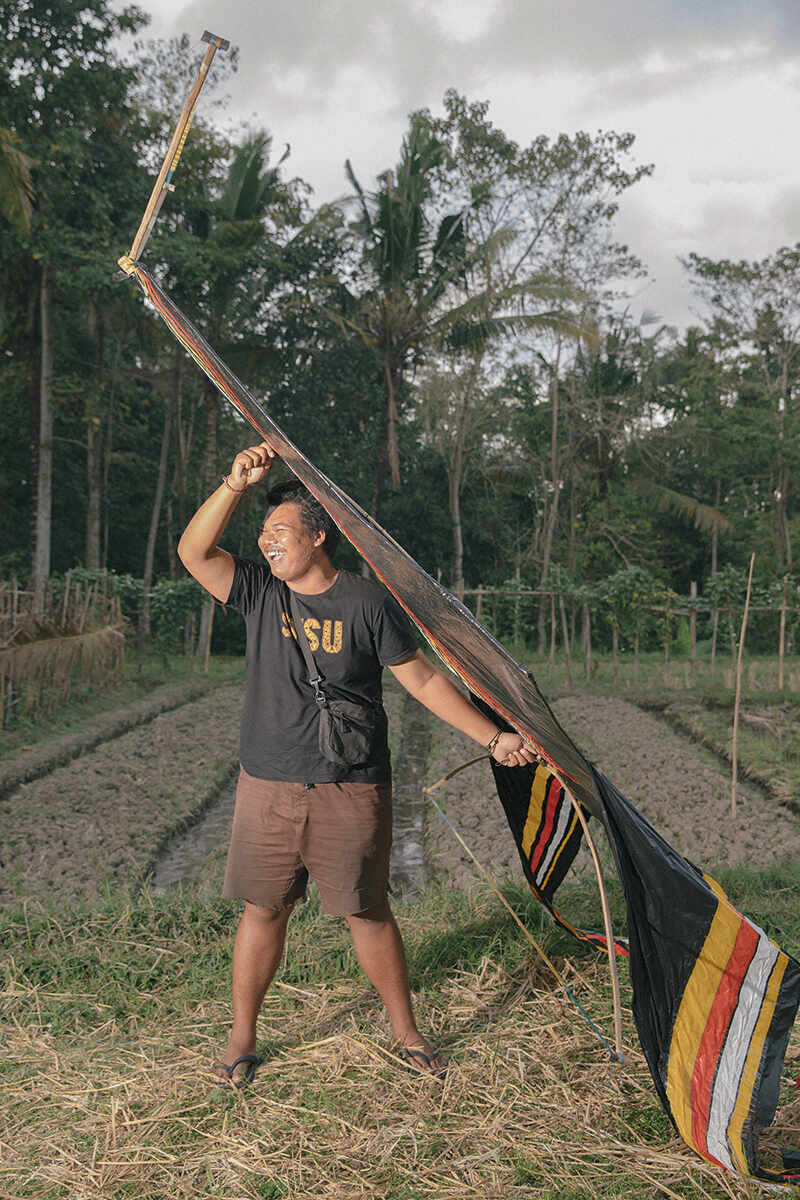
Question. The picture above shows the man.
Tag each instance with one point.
(296, 811)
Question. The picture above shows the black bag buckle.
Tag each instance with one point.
(319, 695)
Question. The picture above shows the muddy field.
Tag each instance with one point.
(680, 787)
(101, 820)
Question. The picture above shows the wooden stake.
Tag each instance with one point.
(565, 630)
(739, 686)
(782, 639)
(693, 632)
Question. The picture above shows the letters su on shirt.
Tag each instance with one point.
(331, 633)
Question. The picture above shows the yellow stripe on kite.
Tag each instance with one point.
(751, 1064)
(694, 1011)
(716, 888)
(533, 819)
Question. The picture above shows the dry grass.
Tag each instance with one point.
(39, 675)
(113, 1017)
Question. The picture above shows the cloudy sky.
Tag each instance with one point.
(711, 90)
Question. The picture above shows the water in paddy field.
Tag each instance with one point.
(185, 855)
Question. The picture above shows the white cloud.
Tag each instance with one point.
(710, 89)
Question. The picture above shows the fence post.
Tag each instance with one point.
(738, 696)
(516, 610)
(565, 629)
(479, 602)
(587, 641)
(693, 631)
(714, 627)
(782, 639)
(65, 605)
(636, 651)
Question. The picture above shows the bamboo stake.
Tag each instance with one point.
(565, 629)
(693, 633)
(739, 686)
(782, 639)
(66, 600)
(587, 642)
(163, 182)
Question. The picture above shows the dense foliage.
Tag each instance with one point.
(450, 345)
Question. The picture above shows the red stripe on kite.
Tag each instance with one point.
(714, 1034)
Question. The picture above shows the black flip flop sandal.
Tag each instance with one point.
(407, 1053)
(252, 1061)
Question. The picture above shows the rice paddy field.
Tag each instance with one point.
(115, 1001)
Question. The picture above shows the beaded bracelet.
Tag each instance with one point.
(494, 741)
(238, 491)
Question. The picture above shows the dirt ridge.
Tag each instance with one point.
(25, 766)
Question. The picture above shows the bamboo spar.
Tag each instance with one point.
(163, 183)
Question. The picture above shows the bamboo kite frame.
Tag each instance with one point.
(163, 182)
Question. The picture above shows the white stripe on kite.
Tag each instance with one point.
(564, 814)
(737, 1043)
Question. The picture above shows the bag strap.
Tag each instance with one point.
(314, 676)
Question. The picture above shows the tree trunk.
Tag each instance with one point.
(379, 481)
(94, 441)
(715, 534)
(143, 626)
(108, 443)
(94, 471)
(457, 541)
(44, 475)
(455, 478)
(552, 514)
(390, 382)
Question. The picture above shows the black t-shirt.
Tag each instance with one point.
(354, 630)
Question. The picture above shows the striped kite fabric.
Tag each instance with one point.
(714, 998)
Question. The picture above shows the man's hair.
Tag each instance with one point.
(312, 514)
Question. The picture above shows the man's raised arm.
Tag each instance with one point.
(198, 548)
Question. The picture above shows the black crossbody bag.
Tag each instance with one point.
(346, 730)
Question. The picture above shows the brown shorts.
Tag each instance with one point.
(339, 833)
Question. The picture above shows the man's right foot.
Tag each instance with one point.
(238, 1063)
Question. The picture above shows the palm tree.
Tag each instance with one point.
(421, 275)
(16, 183)
(236, 238)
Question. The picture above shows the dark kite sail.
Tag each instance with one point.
(714, 998)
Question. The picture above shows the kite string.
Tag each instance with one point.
(429, 792)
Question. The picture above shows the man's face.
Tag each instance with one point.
(287, 545)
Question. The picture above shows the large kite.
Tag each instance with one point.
(714, 998)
